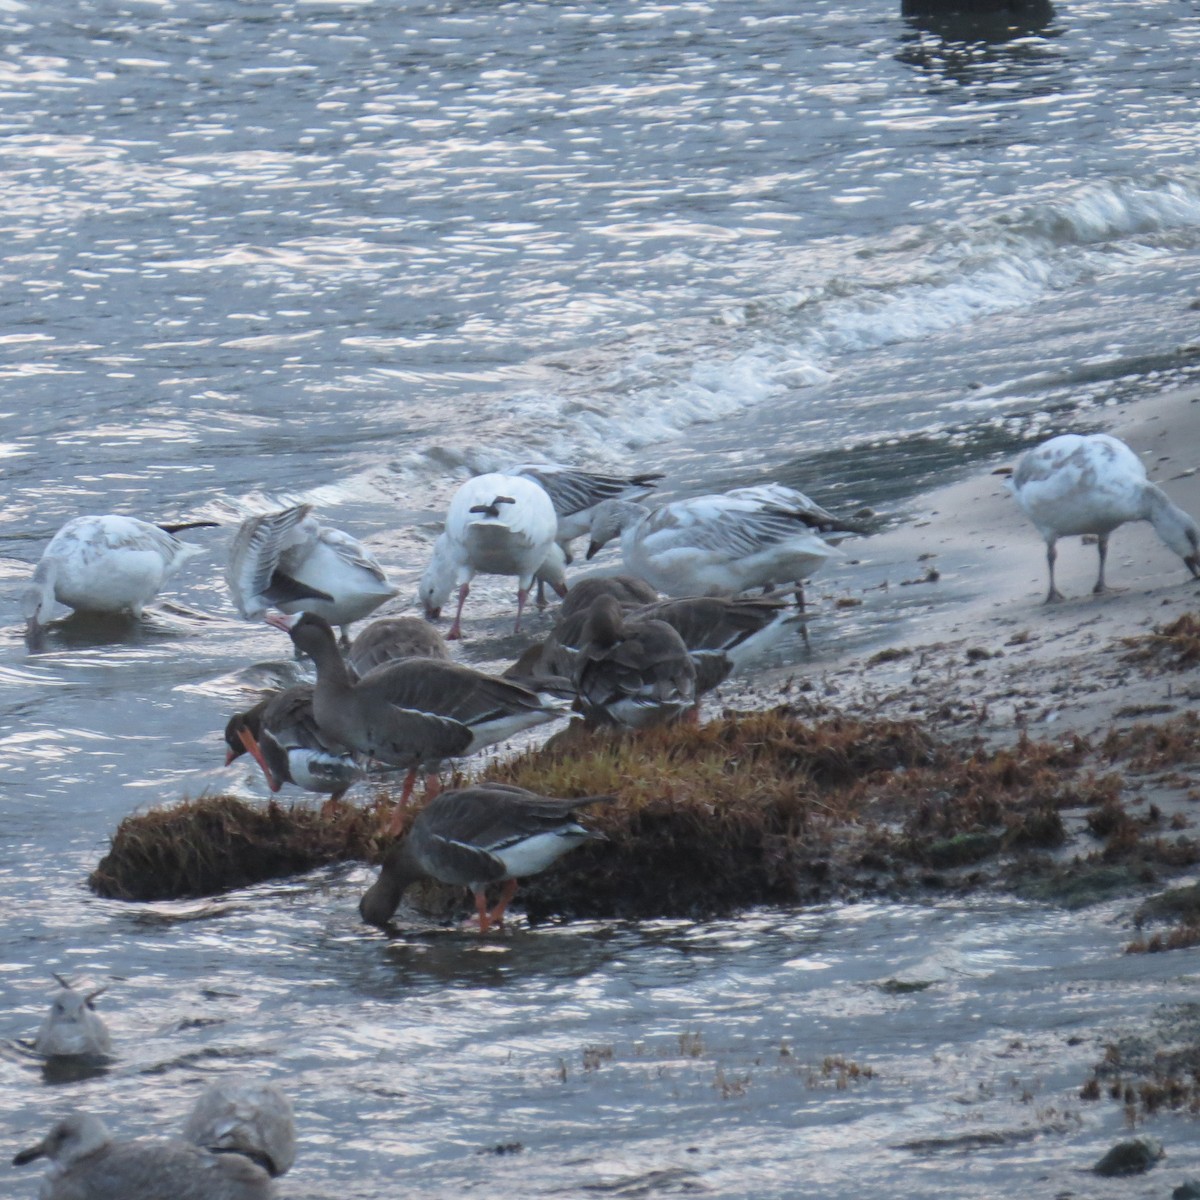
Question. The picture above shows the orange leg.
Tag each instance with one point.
(496, 916)
(433, 786)
(332, 805)
(406, 792)
(482, 909)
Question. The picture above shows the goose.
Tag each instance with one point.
(105, 564)
(1090, 484)
(88, 1164)
(393, 638)
(628, 589)
(490, 833)
(631, 672)
(245, 1116)
(495, 525)
(575, 493)
(282, 735)
(414, 713)
(713, 545)
(73, 1027)
(289, 561)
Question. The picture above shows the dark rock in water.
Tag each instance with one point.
(979, 20)
(1130, 1158)
(1189, 1189)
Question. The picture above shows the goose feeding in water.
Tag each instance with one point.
(1090, 484)
(495, 525)
(288, 560)
(713, 545)
(415, 713)
(73, 1027)
(631, 672)
(245, 1116)
(475, 836)
(281, 733)
(105, 564)
(86, 1163)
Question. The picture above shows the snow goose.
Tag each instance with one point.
(244, 1116)
(282, 735)
(415, 713)
(394, 638)
(631, 672)
(475, 836)
(710, 545)
(495, 525)
(72, 1026)
(1090, 484)
(105, 564)
(288, 560)
(87, 1162)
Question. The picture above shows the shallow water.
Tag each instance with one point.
(349, 252)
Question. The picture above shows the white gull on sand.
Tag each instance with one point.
(288, 560)
(495, 525)
(104, 564)
(1090, 484)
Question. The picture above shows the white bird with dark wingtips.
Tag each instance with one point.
(87, 1163)
(73, 1027)
(288, 560)
(713, 545)
(1090, 484)
(495, 525)
(105, 564)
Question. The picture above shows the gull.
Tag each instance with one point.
(105, 564)
(413, 713)
(87, 1164)
(244, 1116)
(495, 525)
(631, 672)
(490, 833)
(1090, 484)
(288, 560)
(715, 545)
(72, 1027)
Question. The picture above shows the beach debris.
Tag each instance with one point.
(1133, 1157)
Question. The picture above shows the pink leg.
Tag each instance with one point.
(456, 628)
(522, 596)
(433, 786)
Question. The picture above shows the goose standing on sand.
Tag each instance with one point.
(628, 590)
(105, 564)
(1090, 484)
(415, 713)
(72, 1027)
(281, 733)
(475, 836)
(391, 639)
(87, 1164)
(288, 560)
(631, 672)
(714, 545)
(495, 525)
(575, 493)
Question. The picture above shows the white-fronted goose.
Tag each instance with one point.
(628, 590)
(104, 564)
(415, 713)
(631, 672)
(1090, 484)
(391, 639)
(473, 837)
(289, 561)
(88, 1164)
(73, 1027)
(282, 735)
(495, 525)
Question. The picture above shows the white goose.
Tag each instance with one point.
(495, 525)
(1090, 484)
(715, 545)
(289, 561)
(104, 564)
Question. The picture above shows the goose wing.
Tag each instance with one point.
(256, 565)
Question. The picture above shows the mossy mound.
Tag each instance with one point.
(1173, 647)
(215, 843)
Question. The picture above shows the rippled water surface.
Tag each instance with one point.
(350, 252)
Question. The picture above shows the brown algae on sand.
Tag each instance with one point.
(747, 809)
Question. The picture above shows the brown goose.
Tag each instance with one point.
(631, 672)
(629, 590)
(474, 836)
(414, 713)
(281, 732)
(391, 639)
